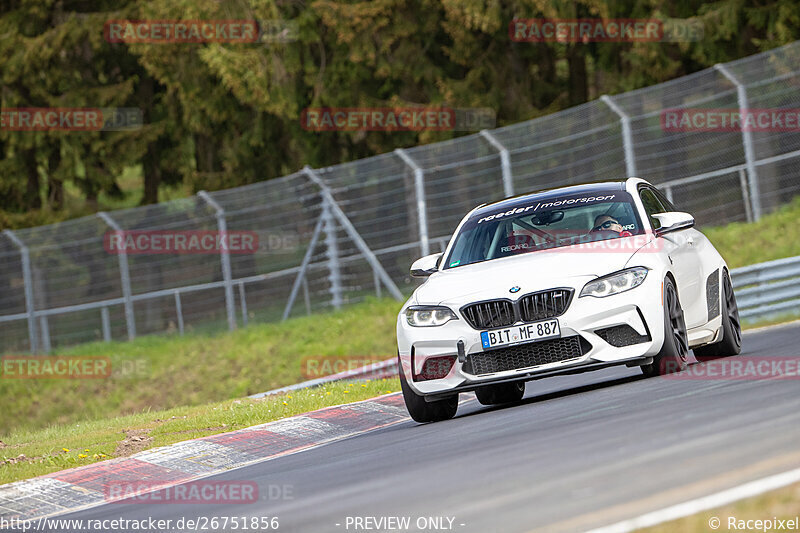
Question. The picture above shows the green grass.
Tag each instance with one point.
(161, 372)
(65, 446)
(775, 236)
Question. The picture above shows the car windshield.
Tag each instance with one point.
(544, 224)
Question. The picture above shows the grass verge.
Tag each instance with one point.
(159, 372)
(775, 236)
(27, 454)
(783, 504)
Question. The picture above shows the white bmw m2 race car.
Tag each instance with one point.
(560, 282)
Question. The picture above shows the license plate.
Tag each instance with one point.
(536, 331)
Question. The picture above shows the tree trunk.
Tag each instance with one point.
(578, 80)
(204, 153)
(33, 198)
(55, 187)
(152, 174)
(151, 163)
(91, 198)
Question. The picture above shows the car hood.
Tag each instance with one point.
(530, 272)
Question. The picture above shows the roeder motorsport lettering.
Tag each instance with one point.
(557, 203)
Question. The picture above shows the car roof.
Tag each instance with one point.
(525, 199)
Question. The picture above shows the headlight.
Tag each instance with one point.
(615, 283)
(429, 315)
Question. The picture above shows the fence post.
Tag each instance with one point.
(125, 278)
(748, 206)
(306, 296)
(327, 224)
(28, 281)
(351, 231)
(45, 325)
(377, 281)
(179, 311)
(225, 258)
(332, 252)
(301, 275)
(668, 192)
(243, 303)
(40, 303)
(505, 162)
(627, 138)
(747, 139)
(422, 210)
(106, 321)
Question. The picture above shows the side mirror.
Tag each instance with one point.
(425, 266)
(673, 221)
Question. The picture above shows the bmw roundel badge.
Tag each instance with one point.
(514, 289)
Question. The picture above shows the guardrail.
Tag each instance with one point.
(767, 289)
(382, 369)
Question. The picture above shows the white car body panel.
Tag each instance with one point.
(686, 255)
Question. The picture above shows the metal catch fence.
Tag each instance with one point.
(331, 236)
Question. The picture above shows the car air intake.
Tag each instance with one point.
(545, 304)
(527, 355)
(491, 314)
(436, 368)
(622, 335)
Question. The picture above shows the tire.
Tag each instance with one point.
(731, 343)
(501, 393)
(675, 350)
(423, 411)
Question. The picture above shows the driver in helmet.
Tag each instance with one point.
(609, 223)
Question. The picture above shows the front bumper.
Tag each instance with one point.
(566, 370)
(640, 308)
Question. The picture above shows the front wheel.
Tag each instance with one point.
(423, 411)
(731, 343)
(675, 350)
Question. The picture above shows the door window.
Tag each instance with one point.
(652, 206)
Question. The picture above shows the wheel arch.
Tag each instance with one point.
(669, 275)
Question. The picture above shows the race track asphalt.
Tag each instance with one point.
(578, 452)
